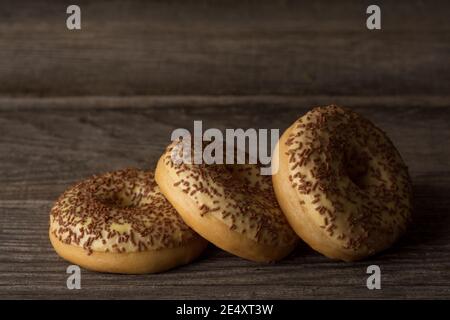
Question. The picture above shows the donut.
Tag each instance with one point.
(232, 206)
(119, 222)
(342, 184)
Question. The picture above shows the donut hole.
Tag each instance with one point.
(121, 199)
(356, 166)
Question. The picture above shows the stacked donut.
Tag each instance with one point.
(341, 186)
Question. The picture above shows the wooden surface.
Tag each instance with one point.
(48, 144)
(199, 47)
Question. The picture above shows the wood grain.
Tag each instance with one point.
(46, 145)
(224, 48)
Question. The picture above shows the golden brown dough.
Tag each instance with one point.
(342, 184)
(119, 222)
(232, 206)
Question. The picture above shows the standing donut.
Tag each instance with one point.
(232, 206)
(342, 184)
(119, 222)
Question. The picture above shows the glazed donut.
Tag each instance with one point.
(341, 183)
(232, 206)
(119, 222)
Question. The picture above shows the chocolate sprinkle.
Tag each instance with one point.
(121, 211)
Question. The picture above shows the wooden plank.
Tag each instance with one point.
(241, 101)
(227, 48)
(415, 268)
(46, 148)
(71, 142)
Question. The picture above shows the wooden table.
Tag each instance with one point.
(49, 144)
(77, 103)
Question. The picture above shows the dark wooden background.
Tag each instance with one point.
(75, 103)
